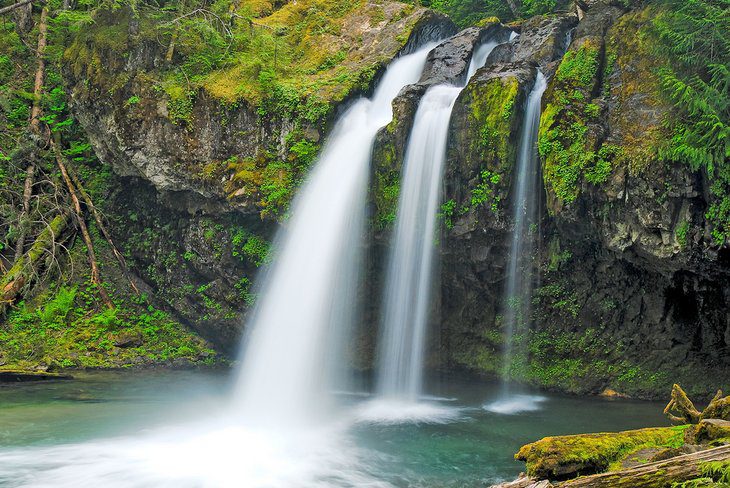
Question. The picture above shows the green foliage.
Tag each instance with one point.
(714, 475)
(54, 313)
(566, 141)
(447, 212)
(696, 35)
(387, 194)
(681, 232)
(67, 330)
(252, 247)
(485, 192)
(470, 12)
(557, 297)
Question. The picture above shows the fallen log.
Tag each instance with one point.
(23, 271)
(9, 8)
(657, 474)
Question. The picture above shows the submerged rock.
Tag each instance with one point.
(15, 376)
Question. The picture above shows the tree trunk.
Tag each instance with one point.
(657, 474)
(95, 275)
(35, 113)
(100, 223)
(23, 219)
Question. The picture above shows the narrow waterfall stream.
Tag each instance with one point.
(524, 204)
(409, 273)
(408, 280)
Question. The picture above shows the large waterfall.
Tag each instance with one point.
(408, 279)
(524, 203)
(290, 354)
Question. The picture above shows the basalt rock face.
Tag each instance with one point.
(631, 293)
(447, 63)
(189, 207)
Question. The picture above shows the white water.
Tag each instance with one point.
(290, 358)
(514, 404)
(525, 201)
(408, 280)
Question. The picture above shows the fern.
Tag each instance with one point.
(695, 34)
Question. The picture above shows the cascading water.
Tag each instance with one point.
(408, 279)
(306, 300)
(409, 273)
(525, 203)
(274, 434)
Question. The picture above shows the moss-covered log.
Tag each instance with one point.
(658, 474)
(564, 457)
(22, 273)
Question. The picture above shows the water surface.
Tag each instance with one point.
(117, 425)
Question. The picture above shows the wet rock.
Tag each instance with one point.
(609, 393)
(449, 61)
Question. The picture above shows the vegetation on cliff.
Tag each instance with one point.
(470, 12)
(696, 36)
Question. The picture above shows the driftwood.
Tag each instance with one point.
(680, 409)
(657, 474)
(681, 405)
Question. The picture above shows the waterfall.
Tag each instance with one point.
(305, 308)
(408, 279)
(524, 203)
(409, 273)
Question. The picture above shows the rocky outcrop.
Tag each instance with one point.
(631, 293)
(447, 63)
(542, 40)
(200, 180)
(188, 147)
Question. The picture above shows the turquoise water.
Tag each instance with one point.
(473, 448)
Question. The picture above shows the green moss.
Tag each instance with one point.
(492, 105)
(66, 329)
(251, 247)
(567, 141)
(593, 453)
(386, 191)
(681, 232)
